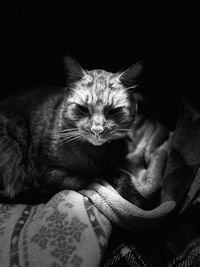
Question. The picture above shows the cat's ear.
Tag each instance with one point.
(130, 75)
(73, 70)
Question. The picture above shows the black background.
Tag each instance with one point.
(35, 36)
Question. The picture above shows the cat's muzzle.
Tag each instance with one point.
(97, 130)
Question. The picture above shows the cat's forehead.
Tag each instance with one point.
(99, 87)
(99, 79)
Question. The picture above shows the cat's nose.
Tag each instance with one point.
(97, 130)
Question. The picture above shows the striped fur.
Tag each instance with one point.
(65, 136)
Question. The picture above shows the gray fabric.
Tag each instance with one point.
(177, 243)
(145, 164)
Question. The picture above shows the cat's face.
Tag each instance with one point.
(99, 106)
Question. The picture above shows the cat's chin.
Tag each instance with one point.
(97, 142)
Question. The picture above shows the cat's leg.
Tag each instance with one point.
(61, 179)
(52, 182)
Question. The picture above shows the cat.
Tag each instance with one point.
(63, 138)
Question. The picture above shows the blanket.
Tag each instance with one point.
(148, 216)
(174, 236)
(144, 166)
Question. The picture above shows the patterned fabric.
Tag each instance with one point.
(67, 231)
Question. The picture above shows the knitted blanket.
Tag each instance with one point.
(150, 210)
(167, 233)
(138, 182)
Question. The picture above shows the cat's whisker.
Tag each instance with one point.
(118, 134)
(72, 139)
(65, 130)
(69, 135)
(66, 134)
(131, 87)
(66, 140)
(123, 133)
(77, 139)
(63, 136)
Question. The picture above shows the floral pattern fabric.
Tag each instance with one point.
(67, 231)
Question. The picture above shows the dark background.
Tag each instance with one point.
(163, 34)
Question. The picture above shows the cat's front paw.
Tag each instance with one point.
(75, 182)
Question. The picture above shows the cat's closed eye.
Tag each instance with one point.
(114, 111)
(82, 109)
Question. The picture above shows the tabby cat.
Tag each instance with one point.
(63, 138)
